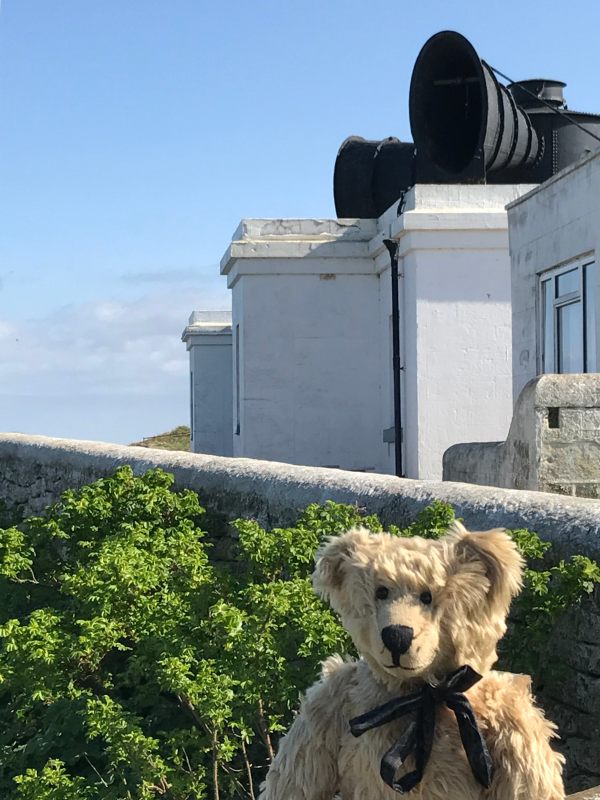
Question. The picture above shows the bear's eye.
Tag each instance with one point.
(425, 598)
(382, 592)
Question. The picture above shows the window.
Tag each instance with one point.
(568, 318)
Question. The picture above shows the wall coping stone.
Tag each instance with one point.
(588, 794)
(275, 492)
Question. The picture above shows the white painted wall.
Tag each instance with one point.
(211, 390)
(555, 223)
(306, 303)
(455, 319)
(312, 300)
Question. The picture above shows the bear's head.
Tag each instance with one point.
(420, 608)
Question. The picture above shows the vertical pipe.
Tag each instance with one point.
(392, 247)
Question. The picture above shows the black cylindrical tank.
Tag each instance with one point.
(393, 172)
(352, 176)
(370, 175)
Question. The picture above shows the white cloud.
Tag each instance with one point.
(111, 349)
(7, 330)
(169, 276)
(108, 312)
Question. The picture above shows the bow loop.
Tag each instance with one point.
(460, 680)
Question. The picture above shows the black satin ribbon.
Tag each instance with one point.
(418, 737)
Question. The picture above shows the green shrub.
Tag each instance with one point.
(132, 667)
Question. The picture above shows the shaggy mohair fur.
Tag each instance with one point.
(471, 578)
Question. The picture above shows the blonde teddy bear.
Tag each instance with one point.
(421, 712)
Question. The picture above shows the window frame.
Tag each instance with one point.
(578, 296)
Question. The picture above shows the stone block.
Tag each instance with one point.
(570, 721)
(573, 462)
(557, 452)
(558, 488)
(583, 657)
(584, 755)
(588, 626)
(587, 794)
(591, 490)
(581, 691)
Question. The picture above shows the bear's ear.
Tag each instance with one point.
(492, 554)
(334, 559)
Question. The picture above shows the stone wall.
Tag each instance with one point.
(553, 444)
(571, 692)
(35, 470)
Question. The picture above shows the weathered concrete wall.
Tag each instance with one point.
(35, 470)
(553, 444)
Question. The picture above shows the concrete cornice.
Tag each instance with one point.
(442, 225)
(263, 239)
(206, 333)
(436, 211)
(309, 229)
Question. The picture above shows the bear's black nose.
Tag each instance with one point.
(397, 639)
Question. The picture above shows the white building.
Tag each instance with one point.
(554, 237)
(311, 322)
(311, 299)
(208, 340)
(554, 439)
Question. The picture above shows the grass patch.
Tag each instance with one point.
(177, 439)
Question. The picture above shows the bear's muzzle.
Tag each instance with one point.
(397, 639)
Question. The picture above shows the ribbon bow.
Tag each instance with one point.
(418, 737)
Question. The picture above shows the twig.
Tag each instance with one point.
(215, 766)
(104, 783)
(264, 730)
(188, 760)
(248, 770)
(186, 704)
(235, 779)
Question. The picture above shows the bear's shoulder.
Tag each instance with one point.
(338, 669)
(338, 675)
(504, 701)
(339, 679)
(497, 688)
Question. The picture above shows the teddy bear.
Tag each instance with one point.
(421, 712)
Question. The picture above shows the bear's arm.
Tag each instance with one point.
(306, 764)
(519, 738)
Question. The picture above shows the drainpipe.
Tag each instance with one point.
(392, 247)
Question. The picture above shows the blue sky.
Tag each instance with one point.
(135, 134)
